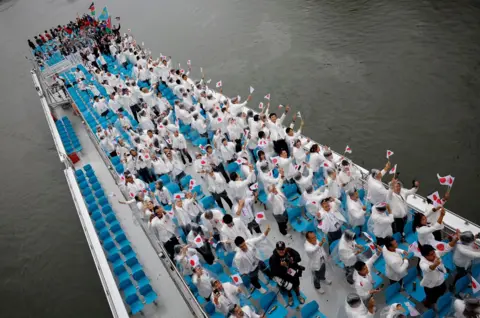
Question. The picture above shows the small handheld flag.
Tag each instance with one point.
(237, 279)
(411, 310)
(260, 216)
(475, 285)
(254, 186)
(413, 248)
(274, 160)
(267, 97)
(368, 236)
(389, 153)
(348, 149)
(219, 84)
(260, 105)
(189, 63)
(280, 106)
(393, 170)
(198, 241)
(447, 180)
(192, 184)
(299, 115)
(435, 197)
(251, 89)
(104, 15)
(194, 261)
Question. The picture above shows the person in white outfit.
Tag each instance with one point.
(424, 230)
(434, 272)
(467, 308)
(356, 209)
(348, 250)
(231, 229)
(225, 296)
(355, 308)
(398, 204)
(381, 222)
(247, 260)
(465, 252)
(316, 260)
(245, 211)
(376, 190)
(363, 278)
(330, 219)
(244, 312)
(396, 261)
(203, 281)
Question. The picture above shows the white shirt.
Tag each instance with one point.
(247, 214)
(316, 161)
(425, 233)
(216, 183)
(100, 106)
(203, 284)
(433, 278)
(346, 252)
(164, 227)
(356, 214)
(382, 223)
(364, 284)
(465, 254)
(332, 220)
(398, 202)
(359, 312)
(247, 313)
(396, 265)
(228, 298)
(459, 307)
(240, 187)
(277, 202)
(238, 229)
(376, 190)
(299, 155)
(247, 262)
(316, 255)
(228, 151)
(215, 222)
(179, 142)
(135, 187)
(277, 131)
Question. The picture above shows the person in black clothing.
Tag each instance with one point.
(285, 267)
(116, 31)
(31, 45)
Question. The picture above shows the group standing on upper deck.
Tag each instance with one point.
(271, 160)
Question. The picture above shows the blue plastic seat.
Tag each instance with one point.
(393, 295)
(207, 202)
(296, 219)
(80, 178)
(410, 236)
(127, 252)
(210, 310)
(110, 247)
(141, 278)
(149, 296)
(268, 302)
(107, 209)
(173, 188)
(83, 185)
(115, 160)
(79, 173)
(429, 314)
(110, 218)
(462, 285)
(419, 293)
(86, 192)
(122, 240)
(92, 179)
(380, 265)
(96, 215)
(99, 193)
(165, 179)
(444, 305)
(184, 182)
(90, 199)
(104, 234)
(100, 225)
(311, 310)
(134, 264)
(127, 286)
(96, 186)
(115, 227)
(135, 304)
(232, 167)
(115, 259)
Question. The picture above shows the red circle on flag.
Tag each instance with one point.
(198, 240)
(440, 247)
(260, 216)
(192, 262)
(235, 279)
(474, 285)
(443, 180)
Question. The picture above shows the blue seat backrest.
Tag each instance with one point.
(462, 284)
(333, 245)
(444, 301)
(309, 309)
(408, 227)
(173, 188)
(392, 290)
(411, 275)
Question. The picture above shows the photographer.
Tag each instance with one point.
(225, 296)
(285, 267)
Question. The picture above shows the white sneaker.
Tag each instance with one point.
(262, 290)
(327, 281)
(321, 290)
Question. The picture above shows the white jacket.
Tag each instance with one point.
(364, 284)
(395, 265)
(238, 229)
(376, 190)
(215, 222)
(203, 284)
(346, 252)
(465, 254)
(246, 262)
(228, 298)
(425, 233)
(433, 278)
(398, 202)
(356, 214)
(382, 223)
(316, 255)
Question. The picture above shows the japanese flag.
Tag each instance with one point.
(219, 84)
(435, 197)
(237, 279)
(393, 170)
(122, 177)
(389, 153)
(448, 180)
(182, 71)
(179, 196)
(275, 160)
(192, 184)
(201, 147)
(219, 119)
(203, 162)
(260, 105)
(254, 186)
(198, 241)
(168, 141)
(475, 285)
(348, 149)
(194, 261)
(299, 115)
(441, 246)
(267, 97)
(413, 248)
(208, 82)
(368, 236)
(189, 62)
(240, 161)
(260, 217)
(251, 89)
(280, 106)
(372, 246)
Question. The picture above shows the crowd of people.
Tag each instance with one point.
(271, 155)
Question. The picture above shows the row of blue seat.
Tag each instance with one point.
(115, 243)
(67, 135)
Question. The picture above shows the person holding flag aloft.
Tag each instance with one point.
(465, 252)
(434, 272)
(380, 222)
(277, 132)
(317, 258)
(396, 262)
(398, 204)
(375, 188)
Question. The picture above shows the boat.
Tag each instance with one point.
(95, 182)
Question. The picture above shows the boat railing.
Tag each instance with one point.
(169, 265)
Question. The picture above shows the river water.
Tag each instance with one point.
(400, 75)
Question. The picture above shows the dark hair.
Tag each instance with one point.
(417, 218)
(426, 249)
(239, 240)
(227, 219)
(288, 130)
(314, 148)
(260, 153)
(271, 115)
(388, 241)
(309, 232)
(359, 265)
(261, 134)
(233, 176)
